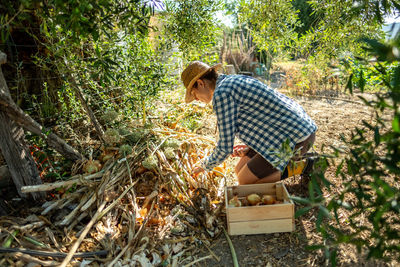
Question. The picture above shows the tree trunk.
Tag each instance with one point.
(19, 116)
(5, 182)
(14, 149)
(15, 113)
(22, 167)
(5, 177)
(3, 208)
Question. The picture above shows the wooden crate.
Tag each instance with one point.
(260, 219)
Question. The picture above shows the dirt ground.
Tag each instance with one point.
(333, 117)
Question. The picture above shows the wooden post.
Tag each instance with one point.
(222, 54)
(14, 149)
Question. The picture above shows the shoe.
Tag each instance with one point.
(311, 158)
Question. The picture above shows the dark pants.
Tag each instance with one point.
(262, 168)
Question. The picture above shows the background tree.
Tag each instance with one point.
(339, 27)
(306, 16)
(272, 25)
(71, 62)
(80, 47)
(193, 26)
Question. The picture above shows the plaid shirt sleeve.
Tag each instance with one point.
(226, 111)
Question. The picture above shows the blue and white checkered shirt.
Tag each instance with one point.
(259, 116)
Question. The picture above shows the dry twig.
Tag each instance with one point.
(77, 179)
(83, 235)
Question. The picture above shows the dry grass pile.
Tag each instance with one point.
(140, 207)
(309, 79)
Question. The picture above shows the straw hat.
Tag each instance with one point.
(192, 73)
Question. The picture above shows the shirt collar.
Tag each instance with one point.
(220, 78)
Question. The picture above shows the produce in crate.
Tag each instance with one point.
(235, 202)
(268, 199)
(253, 200)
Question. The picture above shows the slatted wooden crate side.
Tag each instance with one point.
(260, 219)
(279, 191)
(287, 197)
(263, 212)
(226, 205)
(260, 227)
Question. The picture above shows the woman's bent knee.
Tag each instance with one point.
(272, 178)
(245, 176)
(241, 163)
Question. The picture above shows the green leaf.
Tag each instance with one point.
(318, 222)
(302, 211)
(339, 168)
(301, 200)
(315, 247)
(8, 241)
(311, 191)
(332, 258)
(325, 212)
(396, 124)
(396, 79)
(375, 252)
(377, 136)
(361, 81)
(346, 205)
(350, 84)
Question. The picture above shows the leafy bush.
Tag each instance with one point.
(364, 74)
(101, 48)
(81, 19)
(369, 170)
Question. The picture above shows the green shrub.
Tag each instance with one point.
(369, 170)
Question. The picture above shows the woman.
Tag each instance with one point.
(262, 118)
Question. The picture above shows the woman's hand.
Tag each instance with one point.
(197, 170)
(240, 150)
